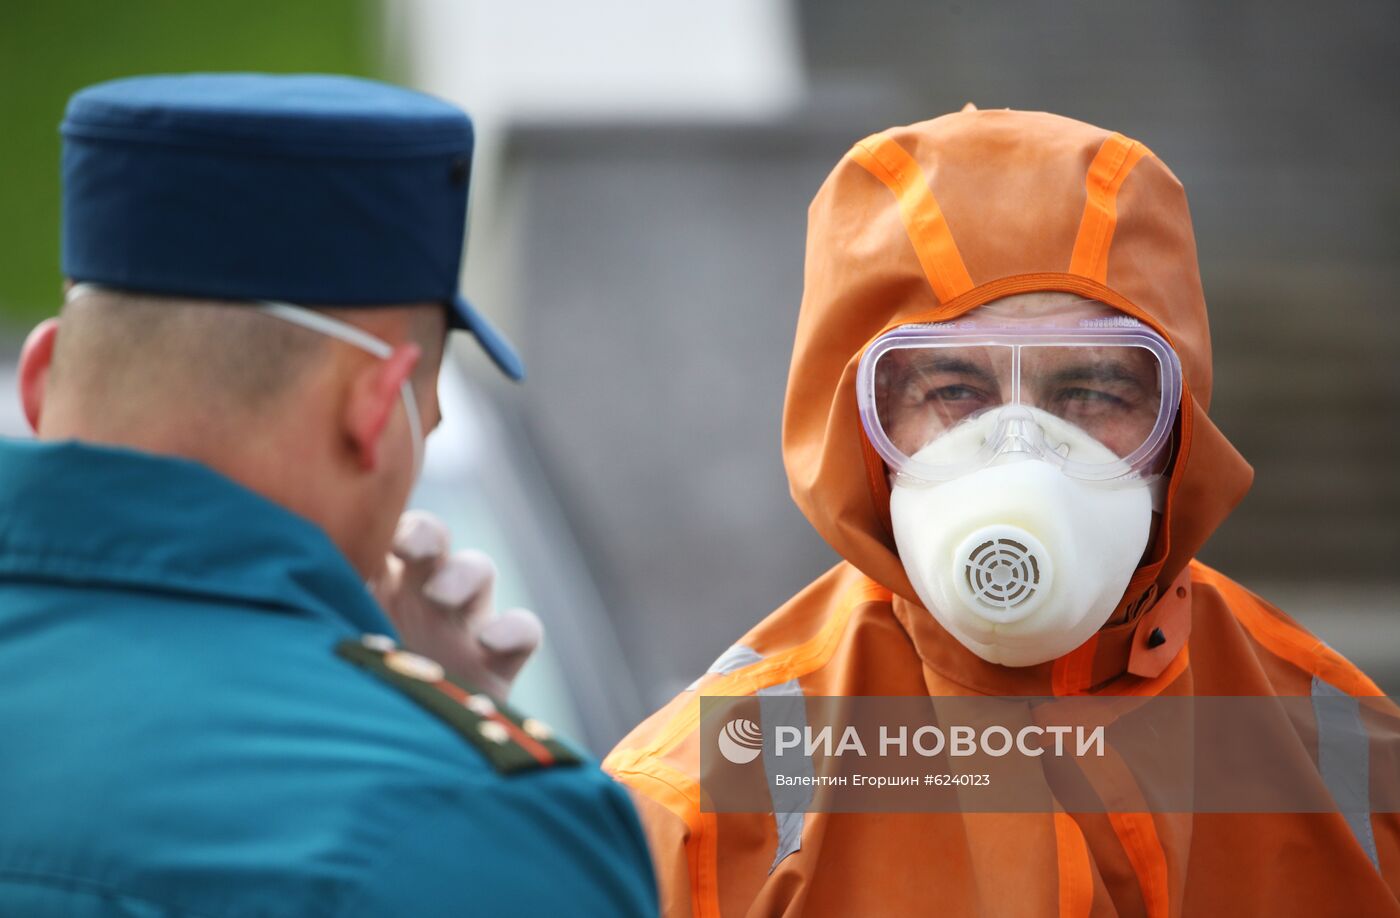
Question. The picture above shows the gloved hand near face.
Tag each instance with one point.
(443, 604)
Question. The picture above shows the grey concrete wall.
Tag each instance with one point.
(1281, 119)
(656, 272)
(660, 296)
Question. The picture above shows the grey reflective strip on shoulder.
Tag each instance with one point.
(784, 703)
(1344, 759)
(736, 657)
(781, 704)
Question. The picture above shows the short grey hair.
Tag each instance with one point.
(227, 355)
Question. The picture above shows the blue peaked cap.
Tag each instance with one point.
(314, 190)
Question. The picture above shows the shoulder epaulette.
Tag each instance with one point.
(510, 742)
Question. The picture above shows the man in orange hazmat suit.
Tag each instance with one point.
(1003, 313)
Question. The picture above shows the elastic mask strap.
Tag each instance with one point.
(325, 325)
(355, 337)
(1159, 493)
(415, 426)
(297, 315)
(78, 291)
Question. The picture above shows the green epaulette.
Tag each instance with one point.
(510, 742)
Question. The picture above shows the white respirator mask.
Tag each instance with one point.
(1026, 458)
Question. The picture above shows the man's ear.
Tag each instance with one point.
(373, 397)
(34, 361)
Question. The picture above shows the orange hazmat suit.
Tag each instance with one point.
(924, 223)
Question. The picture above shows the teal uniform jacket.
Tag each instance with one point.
(180, 736)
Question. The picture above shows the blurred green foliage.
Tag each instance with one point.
(51, 48)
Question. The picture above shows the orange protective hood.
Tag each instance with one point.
(924, 222)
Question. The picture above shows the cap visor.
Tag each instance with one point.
(463, 315)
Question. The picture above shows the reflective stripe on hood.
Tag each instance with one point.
(925, 222)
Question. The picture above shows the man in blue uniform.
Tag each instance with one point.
(205, 710)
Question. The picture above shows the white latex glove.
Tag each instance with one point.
(443, 607)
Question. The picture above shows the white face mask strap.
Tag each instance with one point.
(78, 291)
(296, 315)
(355, 337)
(324, 324)
(1159, 494)
(415, 426)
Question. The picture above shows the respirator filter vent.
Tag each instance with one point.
(1005, 573)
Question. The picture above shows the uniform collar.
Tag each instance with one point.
(97, 515)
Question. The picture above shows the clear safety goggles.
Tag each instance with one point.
(1095, 397)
